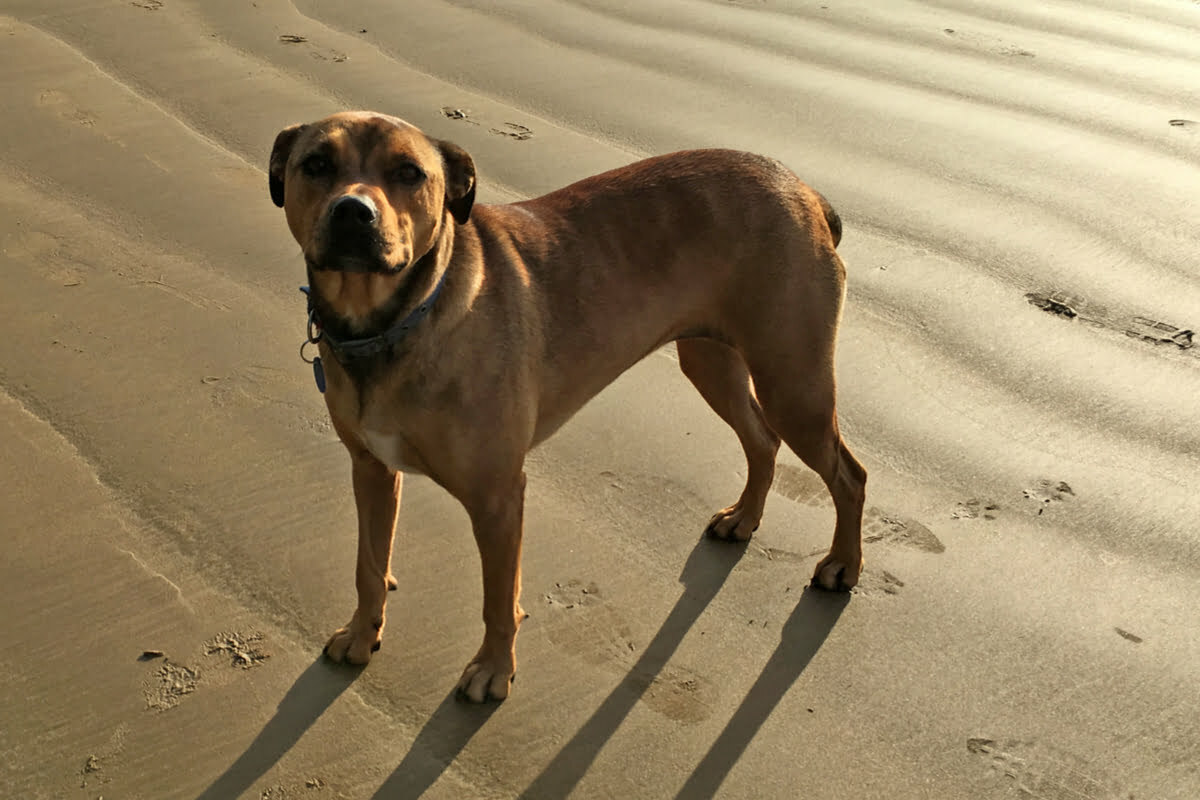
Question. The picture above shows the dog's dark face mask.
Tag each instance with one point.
(367, 196)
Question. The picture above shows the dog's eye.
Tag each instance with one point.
(408, 174)
(315, 165)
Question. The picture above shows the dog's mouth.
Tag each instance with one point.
(367, 252)
(365, 263)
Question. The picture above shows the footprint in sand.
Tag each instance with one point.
(459, 114)
(510, 130)
(319, 53)
(1042, 495)
(1047, 492)
(573, 594)
(873, 582)
(581, 623)
(1153, 331)
(91, 771)
(336, 56)
(805, 487)
(1059, 303)
(679, 694)
(801, 486)
(244, 650)
(1040, 772)
(513, 131)
(169, 684)
(293, 790)
(975, 508)
(892, 529)
(97, 766)
(1159, 332)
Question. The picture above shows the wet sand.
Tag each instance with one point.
(1021, 193)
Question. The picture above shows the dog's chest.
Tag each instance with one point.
(372, 421)
(393, 450)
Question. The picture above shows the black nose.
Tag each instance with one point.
(353, 213)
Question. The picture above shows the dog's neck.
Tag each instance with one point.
(387, 325)
(363, 348)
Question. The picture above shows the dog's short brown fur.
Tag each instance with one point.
(544, 303)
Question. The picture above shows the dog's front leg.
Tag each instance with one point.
(377, 496)
(496, 519)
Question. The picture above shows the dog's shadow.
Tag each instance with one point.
(438, 744)
(705, 572)
(453, 724)
(312, 693)
(803, 634)
(436, 747)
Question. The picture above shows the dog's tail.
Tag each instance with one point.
(831, 219)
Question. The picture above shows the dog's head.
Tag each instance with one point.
(366, 195)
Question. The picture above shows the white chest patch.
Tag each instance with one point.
(391, 449)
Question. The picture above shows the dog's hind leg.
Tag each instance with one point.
(796, 391)
(720, 374)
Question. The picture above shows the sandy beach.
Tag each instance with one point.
(1020, 186)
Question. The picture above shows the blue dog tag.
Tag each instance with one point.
(319, 374)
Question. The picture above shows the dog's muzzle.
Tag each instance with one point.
(354, 243)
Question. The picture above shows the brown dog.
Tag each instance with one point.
(455, 338)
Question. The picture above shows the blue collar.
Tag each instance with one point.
(347, 351)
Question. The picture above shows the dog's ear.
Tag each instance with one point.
(460, 181)
(279, 158)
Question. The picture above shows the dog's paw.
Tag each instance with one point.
(354, 643)
(732, 524)
(836, 574)
(391, 582)
(486, 678)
